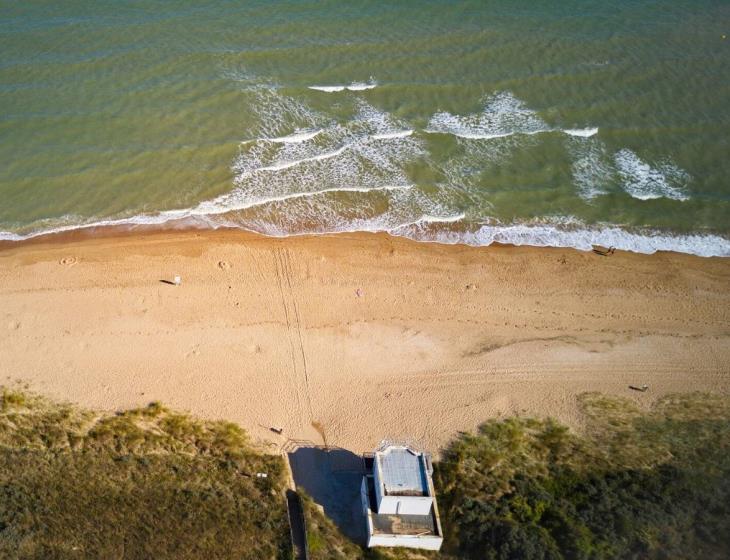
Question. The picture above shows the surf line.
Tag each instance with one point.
(212, 208)
(288, 164)
(578, 132)
(355, 86)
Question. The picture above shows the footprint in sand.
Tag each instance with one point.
(68, 261)
(224, 265)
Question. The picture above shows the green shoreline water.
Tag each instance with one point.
(119, 111)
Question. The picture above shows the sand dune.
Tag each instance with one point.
(353, 338)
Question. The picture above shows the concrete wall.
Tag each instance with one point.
(428, 542)
(405, 505)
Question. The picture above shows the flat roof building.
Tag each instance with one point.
(399, 500)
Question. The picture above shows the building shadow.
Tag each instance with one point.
(332, 476)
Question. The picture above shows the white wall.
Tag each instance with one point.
(429, 542)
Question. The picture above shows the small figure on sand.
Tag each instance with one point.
(603, 251)
(641, 389)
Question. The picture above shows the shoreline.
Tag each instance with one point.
(351, 338)
(639, 241)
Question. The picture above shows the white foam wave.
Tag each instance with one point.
(287, 164)
(231, 205)
(203, 213)
(344, 154)
(581, 132)
(582, 238)
(359, 86)
(354, 86)
(592, 169)
(272, 115)
(426, 219)
(533, 234)
(296, 137)
(328, 89)
(644, 182)
(503, 115)
(389, 135)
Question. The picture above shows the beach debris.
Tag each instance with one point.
(598, 250)
(641, 389)
(224, 265)
(177, 280)
(276, 430)
(262, 475)
(359, 292)
(68, 261)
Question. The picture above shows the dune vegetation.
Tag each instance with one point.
(144, 483)
(153, 483)
(634, 484)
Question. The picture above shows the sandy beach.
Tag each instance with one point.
(349, 339)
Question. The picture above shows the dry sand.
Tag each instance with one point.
(355, 338)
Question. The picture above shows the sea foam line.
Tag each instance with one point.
(354, 86)
(296, 137)
(288, 164)
(327, 155)
(203, 210)
(537, 235)
(388, 135)
(581, 238)
(212, 207)
(579, 132)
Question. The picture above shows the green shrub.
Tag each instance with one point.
(636, 485)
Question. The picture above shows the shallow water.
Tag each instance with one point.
(585, 122)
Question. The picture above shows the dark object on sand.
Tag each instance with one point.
(643, 388)
(276, 430)
(598, 250)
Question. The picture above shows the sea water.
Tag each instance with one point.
(531, 122)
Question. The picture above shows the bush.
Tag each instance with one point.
(637, 485)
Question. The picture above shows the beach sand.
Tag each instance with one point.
(353, 338)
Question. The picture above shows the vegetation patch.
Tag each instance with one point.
(144, 483)
(637, 484)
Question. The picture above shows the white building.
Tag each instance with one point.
(399, 500)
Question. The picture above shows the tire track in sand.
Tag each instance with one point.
(299, 375)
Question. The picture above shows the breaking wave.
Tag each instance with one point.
(577, 237)
(503, 115)
(426, 228)
(645, 182)
(354, 86)
(307, 173)
(296, 137)
(580, 132)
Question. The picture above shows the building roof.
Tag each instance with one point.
(403, 472)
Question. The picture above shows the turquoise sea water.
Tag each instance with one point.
(550, 123)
